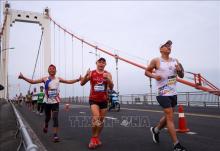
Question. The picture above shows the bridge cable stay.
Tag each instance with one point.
(4, 23)
(210, 87)
(37, 57)
(54, 42)
(41, 63)
(65, 59)
(72, 65)
(82, 55)
(59, 51)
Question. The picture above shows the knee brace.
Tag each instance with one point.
(97, 122)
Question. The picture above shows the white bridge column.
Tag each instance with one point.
(26, 17)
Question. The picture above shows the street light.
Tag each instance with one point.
(1, 64)
(97, 55)
(7, 48)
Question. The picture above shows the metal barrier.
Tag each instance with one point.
(26, 139)
(199, 98)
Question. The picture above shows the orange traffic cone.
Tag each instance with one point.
(182, 121)
(67, 107)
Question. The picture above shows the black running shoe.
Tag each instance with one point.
(155, 136)
(179, 147)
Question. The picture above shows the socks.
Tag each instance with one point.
(156, 130)
(176, 143)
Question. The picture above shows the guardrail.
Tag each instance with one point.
(199, 98)
(26, 139)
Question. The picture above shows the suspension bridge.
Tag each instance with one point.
(117, 135)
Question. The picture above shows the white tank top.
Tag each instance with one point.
(167, 70)
(34, 96)
(52, 90)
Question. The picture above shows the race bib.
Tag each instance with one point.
(41, 97)
(52, 93)
(99, 88)
(171, 80)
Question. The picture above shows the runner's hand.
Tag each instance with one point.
(178, 68)
(80, 78)
(21, 76)
(88, 72)
(158, 78)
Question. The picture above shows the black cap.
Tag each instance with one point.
(167, 44)
(101, 59)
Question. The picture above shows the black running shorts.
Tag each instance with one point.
(167, 101)
(102, 105)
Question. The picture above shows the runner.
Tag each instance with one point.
(34, 100)
(20, 98)
(40, 99)
(29, 99)
(166, 71)
(100, 81)
(52, 97)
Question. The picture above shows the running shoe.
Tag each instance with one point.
(179, 147)
(98, 142)
(93, 143)
(155, 135)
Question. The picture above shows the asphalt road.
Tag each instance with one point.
(127, 130)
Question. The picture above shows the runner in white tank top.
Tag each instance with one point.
(165, 70)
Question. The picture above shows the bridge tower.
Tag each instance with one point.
(12, 16)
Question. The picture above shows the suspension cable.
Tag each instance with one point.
(59, 52)
(73, 64)
(83, 67)
(65, 59)
(128, 61)
(54, 42)
(37, 57)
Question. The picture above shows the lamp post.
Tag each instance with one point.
(2, 50)
(7, 49)
(96, 55)
(150, 84)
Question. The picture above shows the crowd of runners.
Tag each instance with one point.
(163, 69)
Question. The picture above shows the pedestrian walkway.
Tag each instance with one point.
(8, 127)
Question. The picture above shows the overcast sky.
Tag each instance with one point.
(133, 30)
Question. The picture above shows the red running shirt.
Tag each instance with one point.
(98, 91)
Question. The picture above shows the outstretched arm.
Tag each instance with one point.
(86, 78)
(70, 81)
(30, 80)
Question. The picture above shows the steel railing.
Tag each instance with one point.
(26, 139)
(199, 98)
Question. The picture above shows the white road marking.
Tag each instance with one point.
(189, 114)
(157, 111)
(82, 112)
(191, 133)
(112, 118)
